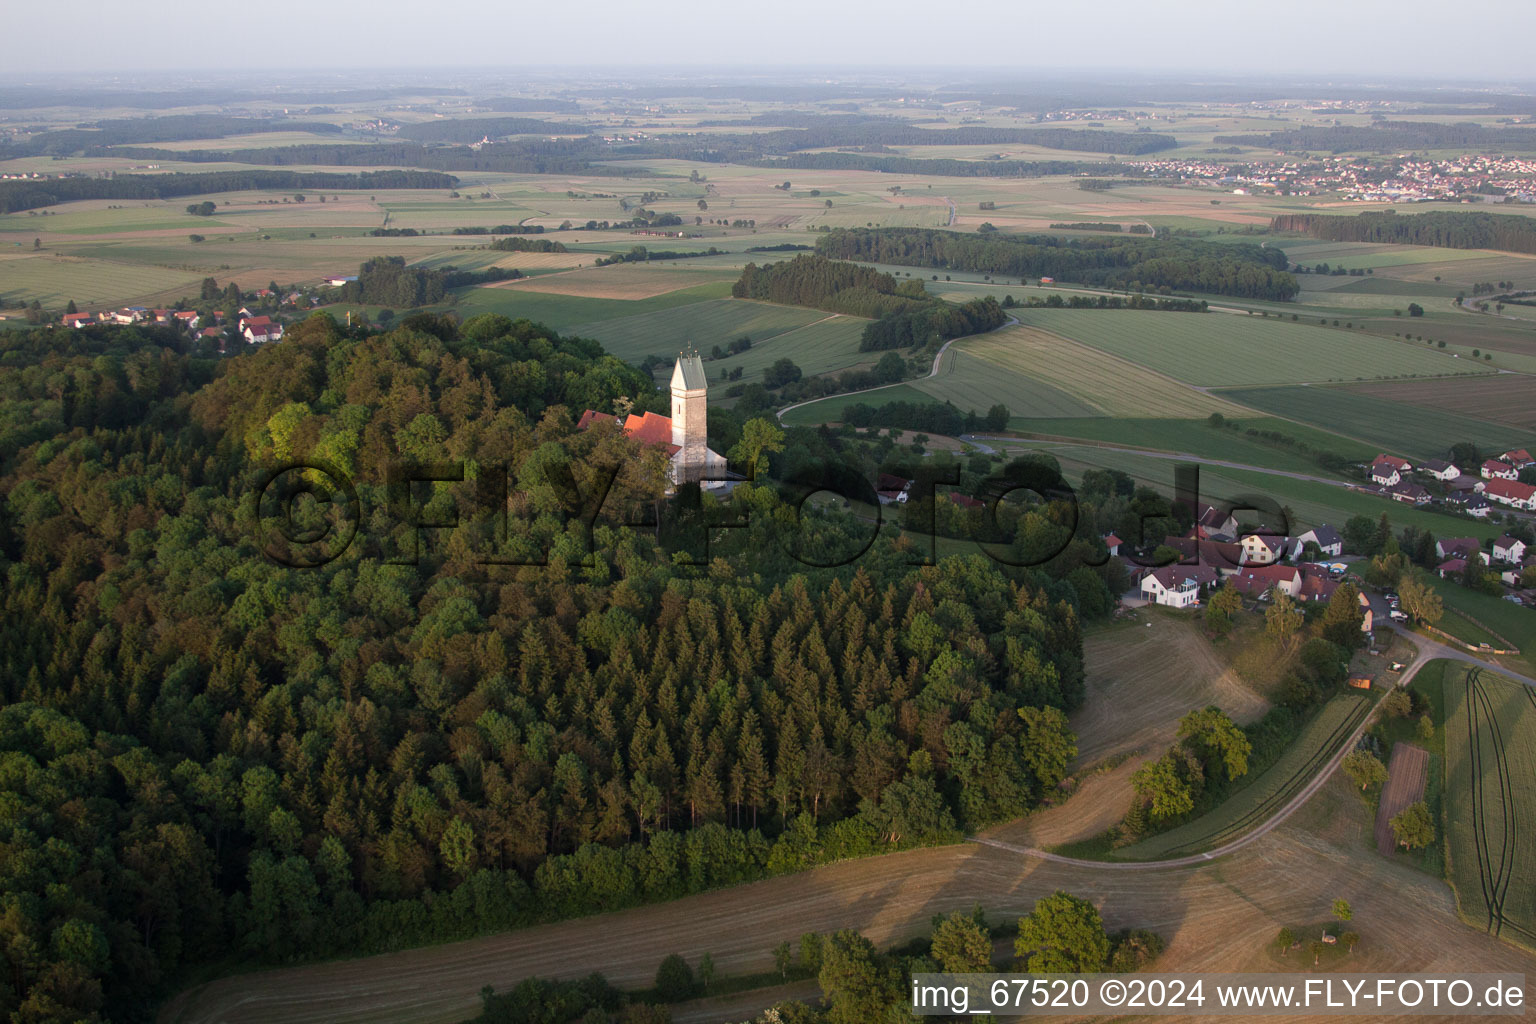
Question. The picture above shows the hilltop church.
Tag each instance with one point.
(685, 434)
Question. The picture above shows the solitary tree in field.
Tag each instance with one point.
(1317, 948)
(782, 959)
(1063, 934)
(1414, 827)
(1364, 769)
(1342, 910)
(1350, 940)
(1285, 940)
(1426, 728)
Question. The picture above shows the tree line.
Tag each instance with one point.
(1247, 271)
(31, 194)
(169, 128)
(1447, 229)
(1391, 137)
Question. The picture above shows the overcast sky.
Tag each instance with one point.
(1489, 40)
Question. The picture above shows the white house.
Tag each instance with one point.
(1400, 464)
(1512, 493)
(1518, 457)
(1325, 537)
(1385, 473)
(1441, 470)
(260, 329)
(1457, 547)
(1508, 549)
(1170, 586)
(1493, 469)
(1259, 549)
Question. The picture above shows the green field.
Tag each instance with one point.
(54, 281)
(1217, 349)
(1256, 802)
(1490, 806)
(1416, 431)
(563, 312)
(1199, 438)
(1031, 371)
(828, 410)
(1465, 609)
(701, 325)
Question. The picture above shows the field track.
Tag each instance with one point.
(1406, 775)
(1493, 829)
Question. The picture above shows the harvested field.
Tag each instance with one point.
(1508, 398)
(1407, 773)
(1215, 917)
(1490, 801)
(1141, 681)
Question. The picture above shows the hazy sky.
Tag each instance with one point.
(1488, 40)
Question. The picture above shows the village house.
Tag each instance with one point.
(1512, 493)
(1257, 581)
(79, 319)
(1496, 470)
(1518, 458)
(1385, 473)
(1215, 523)
(1113, 543)
(261, 329)
(1471, 502)
(1325, 537)
(1508, 549)
(1457, 547)
(1400, 464)
(969, 503)
(1441, 470)
(1177, 586)
(1451, 567)
(1261, 549)
(1411, 494)
(891, 489)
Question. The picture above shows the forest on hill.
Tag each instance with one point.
(1391, 137)
(1153, 265)
(32, 193)
(210, 755)
(1448, 229)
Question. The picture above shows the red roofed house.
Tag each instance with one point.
(1496, 470)
(684, 434)
(1512, 493)
(1451, 567)
(1457, 547)
(1518, 457)
(1113, 543)
(1256, 580)
(258, 329)
(968, 502)
(1401, 465)
(79, 319)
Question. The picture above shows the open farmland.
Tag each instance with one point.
(1255, 802)
(1230, 443)
(1407, 773)
(701, 325)
(1507, 398)
(1490, 804)
(55, 280)
(1427, 433)
(621, 281)
(1215, 350)
(563, 312)
(1034, 372)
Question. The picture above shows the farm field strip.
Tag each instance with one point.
(1407, 773)
(1212, 350)
(1491, 794)
(1506, 398)
(1037, 372)
(1318, 741)
(1425, 434)
(703, 324)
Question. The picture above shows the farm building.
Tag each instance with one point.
(893, 489)
(261, 329)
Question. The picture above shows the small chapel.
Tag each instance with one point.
(685, 433)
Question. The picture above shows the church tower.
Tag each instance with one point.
(690, 428)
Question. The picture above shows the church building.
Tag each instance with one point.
(685, 433)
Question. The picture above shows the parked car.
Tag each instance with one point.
(1513, 598)
(1398, 616)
